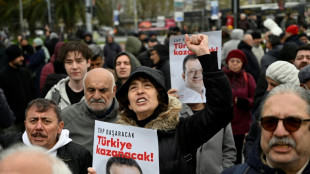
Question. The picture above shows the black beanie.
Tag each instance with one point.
(256, 35)
(12, 52)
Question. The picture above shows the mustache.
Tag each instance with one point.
(92, 100)
(38, 134)
(303, 64)
(283, 141)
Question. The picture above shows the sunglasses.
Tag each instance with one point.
(291, 124)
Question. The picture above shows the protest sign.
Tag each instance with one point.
(190, 83)
(114, 140)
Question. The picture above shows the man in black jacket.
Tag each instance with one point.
(17, 86)
(44, 128)
(252, 66)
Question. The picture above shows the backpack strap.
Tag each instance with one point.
(245, 77)
(242, 169)
(56, 96)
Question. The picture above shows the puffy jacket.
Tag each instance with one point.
(179, 138)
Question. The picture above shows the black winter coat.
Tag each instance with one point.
(252, 65)
(164, 66)
(18, 89)
(179, 138)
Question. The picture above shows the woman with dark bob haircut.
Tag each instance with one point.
(145, 103)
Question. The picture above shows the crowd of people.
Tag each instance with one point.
(253, 116)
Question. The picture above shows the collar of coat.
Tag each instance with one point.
(165, 121)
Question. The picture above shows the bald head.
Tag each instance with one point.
(30, 160)
(247, 38)
(99, 90)
(99, 73)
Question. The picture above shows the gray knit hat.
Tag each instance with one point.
(304, 74)
(283, 72)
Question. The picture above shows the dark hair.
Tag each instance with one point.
(122, 161)
(302, 48)
(187, 58)
(288, 51)
(73, 46)
(162, 51)
(162, 105)
(274, 40)
(43, 105)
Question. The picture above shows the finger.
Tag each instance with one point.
(187, 40)
(172, 90)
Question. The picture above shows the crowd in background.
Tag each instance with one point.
(255, 60)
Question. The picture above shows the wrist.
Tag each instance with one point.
(201, 52)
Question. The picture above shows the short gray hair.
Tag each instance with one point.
(57, 165)
(286, 89)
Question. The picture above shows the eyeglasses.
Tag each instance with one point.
(291, 124)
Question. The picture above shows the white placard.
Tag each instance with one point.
(131, 142)
(178, 51)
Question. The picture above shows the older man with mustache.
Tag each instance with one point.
(99, 104)
(284, 143)
(44, 128)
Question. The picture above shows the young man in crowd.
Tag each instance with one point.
(75, 55)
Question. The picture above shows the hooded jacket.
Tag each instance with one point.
(109, 52)
(179, 138)
(59, 95)
(134, 63)
(236, 36)
(133, 45)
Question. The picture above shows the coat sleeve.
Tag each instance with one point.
(228, 147)
(218, 111)
(251, 89)
(7, 116)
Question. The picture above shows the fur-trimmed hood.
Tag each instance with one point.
(165, 121)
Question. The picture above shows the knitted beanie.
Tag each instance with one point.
(283, 72)
(293, 29)
(237, 54)
(12, 52)
(304, 74)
